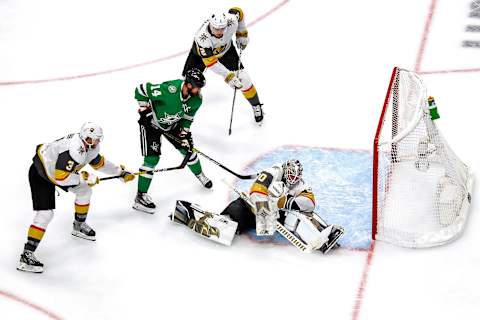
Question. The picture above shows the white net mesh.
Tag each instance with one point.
(423, 190)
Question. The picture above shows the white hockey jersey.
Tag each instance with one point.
(62, 159)
(298, 197)
(211, 48)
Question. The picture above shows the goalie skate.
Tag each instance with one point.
(333, 237)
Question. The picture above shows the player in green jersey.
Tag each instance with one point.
(167, 107)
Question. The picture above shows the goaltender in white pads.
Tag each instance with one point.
(277, 193)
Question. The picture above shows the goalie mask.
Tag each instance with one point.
(292, 172)
(91, 134)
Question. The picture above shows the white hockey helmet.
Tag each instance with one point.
(91, 133)
(218, 20)
(292, 172)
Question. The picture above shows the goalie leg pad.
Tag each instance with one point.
(211, 226)
(265, 218)
(308, 232)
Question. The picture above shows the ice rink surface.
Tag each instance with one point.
(320, 68)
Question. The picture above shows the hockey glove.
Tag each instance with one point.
(88, 178)
(242, 42)
(125, 175)
(186, 140)
(233, 81)
(144, 106)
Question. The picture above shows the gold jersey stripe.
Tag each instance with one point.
(35, 232)
(43, 164)
(100, 163)
(61, 175)
(308, 195)
(210, 61)
(250, 92)
(259, 188)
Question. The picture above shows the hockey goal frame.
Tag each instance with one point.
(408, 117)
(375, 151)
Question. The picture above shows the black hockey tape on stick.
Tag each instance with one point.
(240, 176)
(181, 166)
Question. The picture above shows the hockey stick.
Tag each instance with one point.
(181, 166)
(234, 94)
(240, 176)
(299, 244)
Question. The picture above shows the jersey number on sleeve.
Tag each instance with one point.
(262, 177)
(156, 92)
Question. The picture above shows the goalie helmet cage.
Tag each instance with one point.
(421, 190)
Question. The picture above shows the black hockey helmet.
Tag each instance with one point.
(195, 77)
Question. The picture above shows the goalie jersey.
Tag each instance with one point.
(297, 197)
(61, 160)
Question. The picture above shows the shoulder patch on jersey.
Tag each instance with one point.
(203, 37)
(172, 89)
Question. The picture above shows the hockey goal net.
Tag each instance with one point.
(421, 189)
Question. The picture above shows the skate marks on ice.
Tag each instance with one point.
(341, 180)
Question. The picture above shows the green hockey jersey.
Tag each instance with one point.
(168, 104)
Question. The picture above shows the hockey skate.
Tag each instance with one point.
(143, 202)
(258, 113)
(83, 230)
(29, 263)
(207, 183)
(333, 237)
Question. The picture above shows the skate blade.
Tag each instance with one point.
(26, 268)
(83, 236)
(139, 207)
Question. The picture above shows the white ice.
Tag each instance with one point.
(322, 70)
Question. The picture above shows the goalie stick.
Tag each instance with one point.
(181, 166)
(240, 176)
(299, 244)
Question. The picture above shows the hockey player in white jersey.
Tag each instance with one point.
(277, 193)
(213, 49)
(58, 164)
